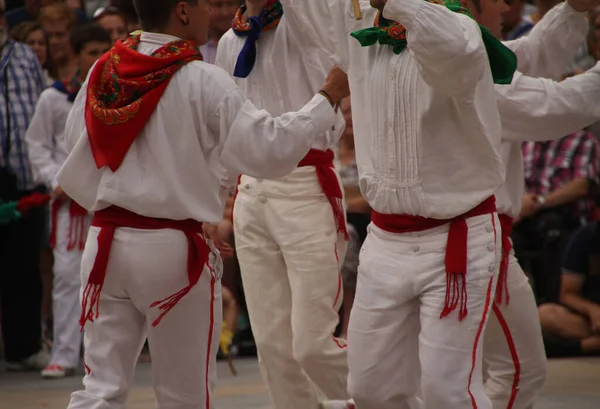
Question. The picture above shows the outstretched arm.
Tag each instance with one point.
(552, 43)
(447, 45)
(258, 145)
(537, 109)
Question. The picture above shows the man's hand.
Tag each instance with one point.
(583, 5)
(594, 316)
(529, 207)
(59, 195)
(336, 84)
(213, 233)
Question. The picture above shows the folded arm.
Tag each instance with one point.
(552, 43)
(537, 109)
(447, 45)
(40, 139)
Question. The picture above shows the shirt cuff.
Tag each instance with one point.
(321, 112)
(402, 11)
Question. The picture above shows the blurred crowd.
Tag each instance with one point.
(556, 238)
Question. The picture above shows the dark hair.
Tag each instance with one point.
(477, 5)
(155, 14)
(88, 33)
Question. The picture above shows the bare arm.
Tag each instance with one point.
(537, 109)
(574, 190)
(570, 294)
(552, 43)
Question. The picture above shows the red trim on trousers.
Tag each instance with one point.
(337, 297)
(237, 188)
(323, 163)
(502, 288)
(213, 281)
(456, 248)
(513, 354)
(112, 218)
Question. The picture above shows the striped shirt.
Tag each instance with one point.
(551, 165)
(21, 71)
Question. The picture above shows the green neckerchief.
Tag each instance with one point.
(503, 61)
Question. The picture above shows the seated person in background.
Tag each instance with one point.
(572, 327)
(358, 214)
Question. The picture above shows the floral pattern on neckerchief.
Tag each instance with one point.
(503, 61)
(124, 90)
(251, 29)
(70, 87)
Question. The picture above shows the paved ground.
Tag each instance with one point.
(572, 384)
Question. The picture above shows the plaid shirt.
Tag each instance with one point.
(551, 165)
(19, 67)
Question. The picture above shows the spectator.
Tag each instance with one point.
(47, 153)
(113, 21)
(515, 24)
(572, 327)
(222, 13)
(127, 8)
(31, 11)
(33, 35)
(543, 6)
(21, 82)
(57, 20)
(93, 5)
(357, 213)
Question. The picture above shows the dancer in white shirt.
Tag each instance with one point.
(290, 233)
(427, 132)
(145, 157)
(515, 363)
(69, 221)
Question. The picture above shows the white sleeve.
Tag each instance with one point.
(537, 109)
(41, 141)
(321, 24)
(552, 43)
(258, 145)
(442, 42)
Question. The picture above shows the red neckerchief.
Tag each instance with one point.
(123, 92)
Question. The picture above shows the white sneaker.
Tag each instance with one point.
(54, 371)
(35, 362)
(337, 404)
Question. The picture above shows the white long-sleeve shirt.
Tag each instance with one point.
(426, 124)
(285, 75)
(540, 109)
(173, 168)
(45, 136)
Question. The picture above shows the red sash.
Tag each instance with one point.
(114, 217)
(78, 225)
(456, 249)
(123, 91)
(323, 162)
(502, 289)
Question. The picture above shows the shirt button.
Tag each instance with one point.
(416, 248)
(329, 232)
(489, 228)
(491, 268)
(491, 247)
(262, 199)
(246, 186)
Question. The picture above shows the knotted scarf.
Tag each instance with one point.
(123, 92)
(70, 87)
(251, 29)
(503, 61)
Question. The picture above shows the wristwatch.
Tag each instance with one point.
(541, 200)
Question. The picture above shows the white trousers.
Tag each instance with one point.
(396, 339)
(290, 256)
(66, 307)
(147, 266)
(514, 358)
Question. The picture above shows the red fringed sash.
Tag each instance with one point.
(323, 162)
(114, 217)
(78, 225)
(123, 92)
(456, 249)
(502, 289)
